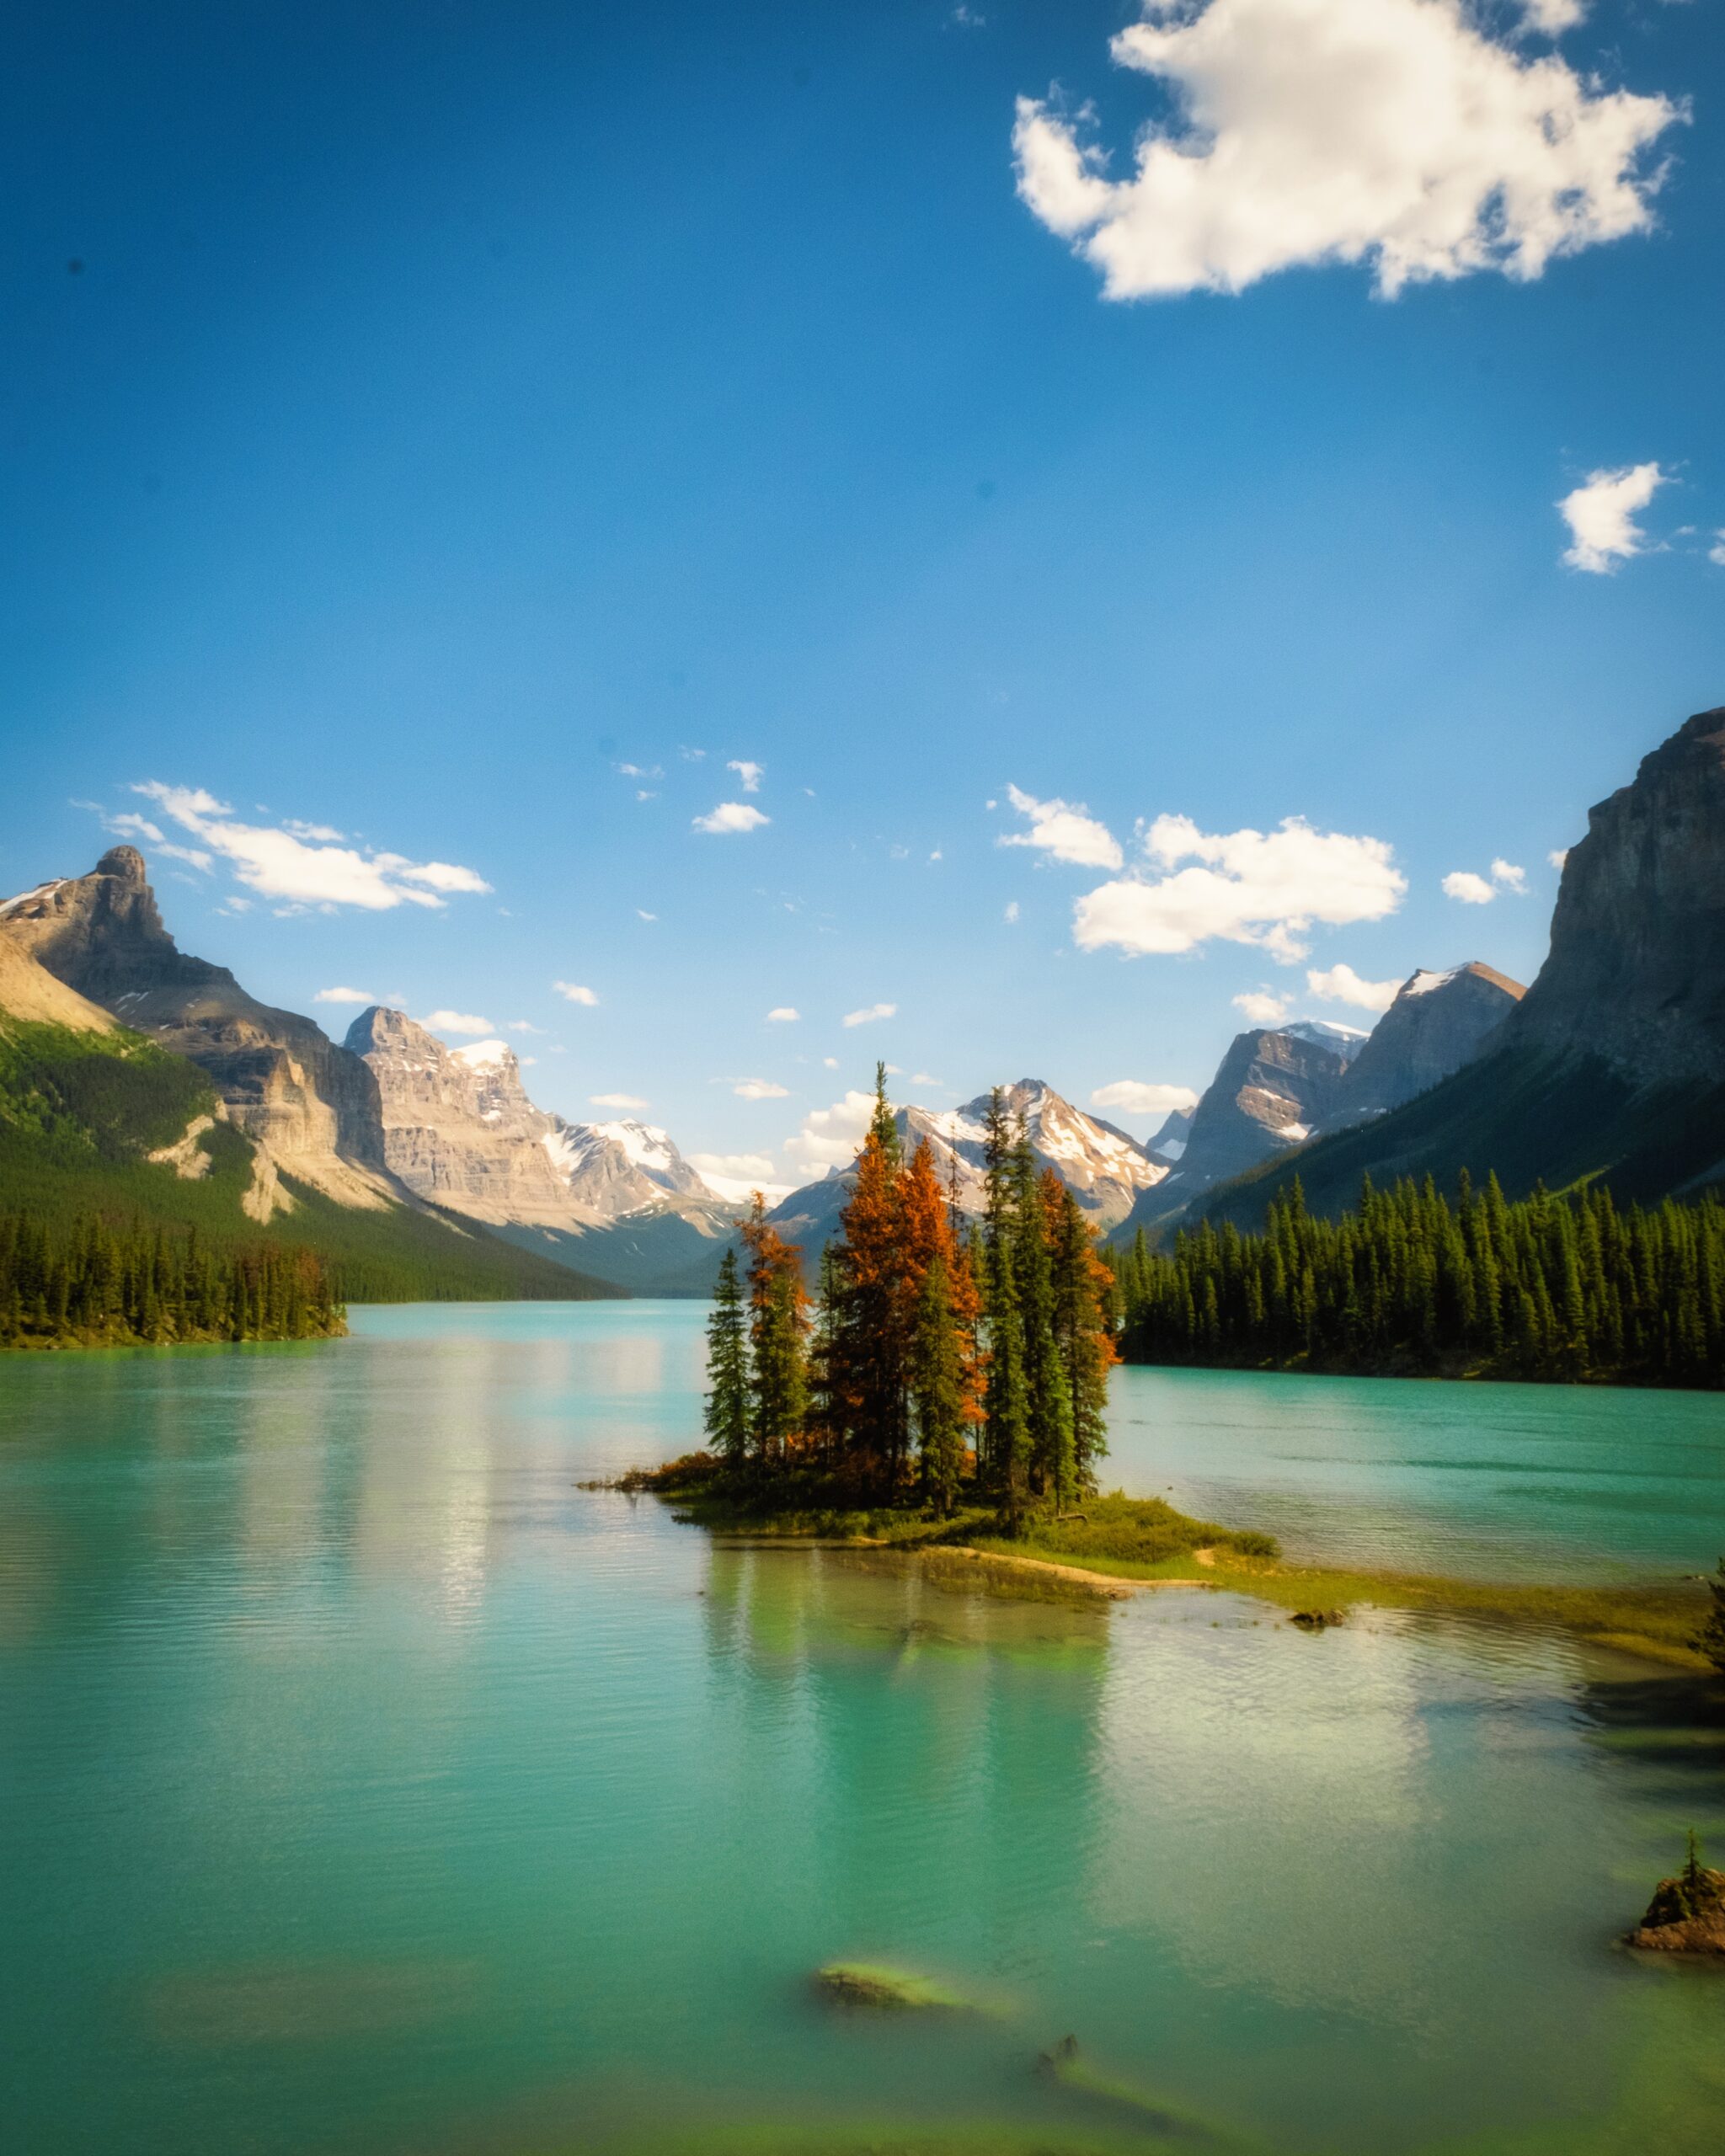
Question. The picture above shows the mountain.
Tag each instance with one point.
(312, 1107)
(1612, 1064)
(1437, 1023)
(617, 1200)
(138, 1082)
(1170, 1142)
(1103, 1168)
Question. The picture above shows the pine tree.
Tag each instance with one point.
(727, 1414)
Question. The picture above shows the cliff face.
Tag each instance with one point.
(458, 1127)
(312, 1106)
(1437, 1023)
(1636, 971)
(1272, 1090)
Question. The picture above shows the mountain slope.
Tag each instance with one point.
(96, 1116)
(1437, 1023)
(614, 1200)
(1613, 1063)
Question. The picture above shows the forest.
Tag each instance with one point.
(1563, 1289)
(936, 1363)
(82, 1281)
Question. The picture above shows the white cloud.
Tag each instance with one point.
(642, 914)
(1396, 133)
(317, 832)
(874, 1011)
(292, 862)
(732, 816)
(1263, 1007)
(1716, 553)
(830, 1137)
(1138, 1098)
(1601, 513)
(1342, 984)
(1551, 18)
(617, 1100)
(1249, 886)
(641, 770)
(521, 1026)
(783, 1015)
(345, 995)
(1011, 911)
(1479, 890)
(1558, 856)
(456, 1022)
(760, 1089)
(1064, 830)
(829, 1062)
(750, 774)
(572, 992)
(925, 1078)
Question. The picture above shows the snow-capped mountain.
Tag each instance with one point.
(1104, 1169)
(459, 1128)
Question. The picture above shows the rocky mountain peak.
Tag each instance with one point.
(124, 863)
(1437, 1023)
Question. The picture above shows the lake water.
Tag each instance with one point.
(367, 1788)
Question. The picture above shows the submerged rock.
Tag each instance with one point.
(1066, 2063)
(872, 1983)
(1687, 1913)
(1316, 1621)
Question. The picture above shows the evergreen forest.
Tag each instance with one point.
(1568, 1289)
(83, 1282)
(935, 1364)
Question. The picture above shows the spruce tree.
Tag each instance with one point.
(727, 1413)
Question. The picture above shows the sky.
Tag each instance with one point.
(1011, 539)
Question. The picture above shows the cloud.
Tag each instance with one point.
(830, 1137)
(1478, 890)
(572, 992)
(1249, 886)
(1551, 18)
(750, 774)
(521, 1026)
(1137, 1098)
(740, 1167)
(1064, 831)
(316, 832)
(868, 1016)
(1342, 984)
(732, 816)
(456, 1022)
(829, 1062)
(642, 914)
(783, 1015)
(345, 995)
(1716, 553)
(1558, 856)
(283, 862)
(617, 1100)
(1011, 912)
(760, 1089)
(1601, 515)
(925, 1078)
(1393, 133)
(641, 770)
(1263, 1006)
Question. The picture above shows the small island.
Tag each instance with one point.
(1687, 1913)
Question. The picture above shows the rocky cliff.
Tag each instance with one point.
(1437, 1023)
(1636, 971)
(1613, 1064)
(617, 1200)
(312, 1107)
(1271, 1091)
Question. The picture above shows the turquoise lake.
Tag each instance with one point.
(368, 1788)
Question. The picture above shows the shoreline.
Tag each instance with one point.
(1653, 1624)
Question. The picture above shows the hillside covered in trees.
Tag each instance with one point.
(1564, 1289)
(935, 1363)
(111, 1128)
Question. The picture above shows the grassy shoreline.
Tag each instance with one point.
(1119, 1545)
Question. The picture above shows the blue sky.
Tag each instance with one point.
(455, 405)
